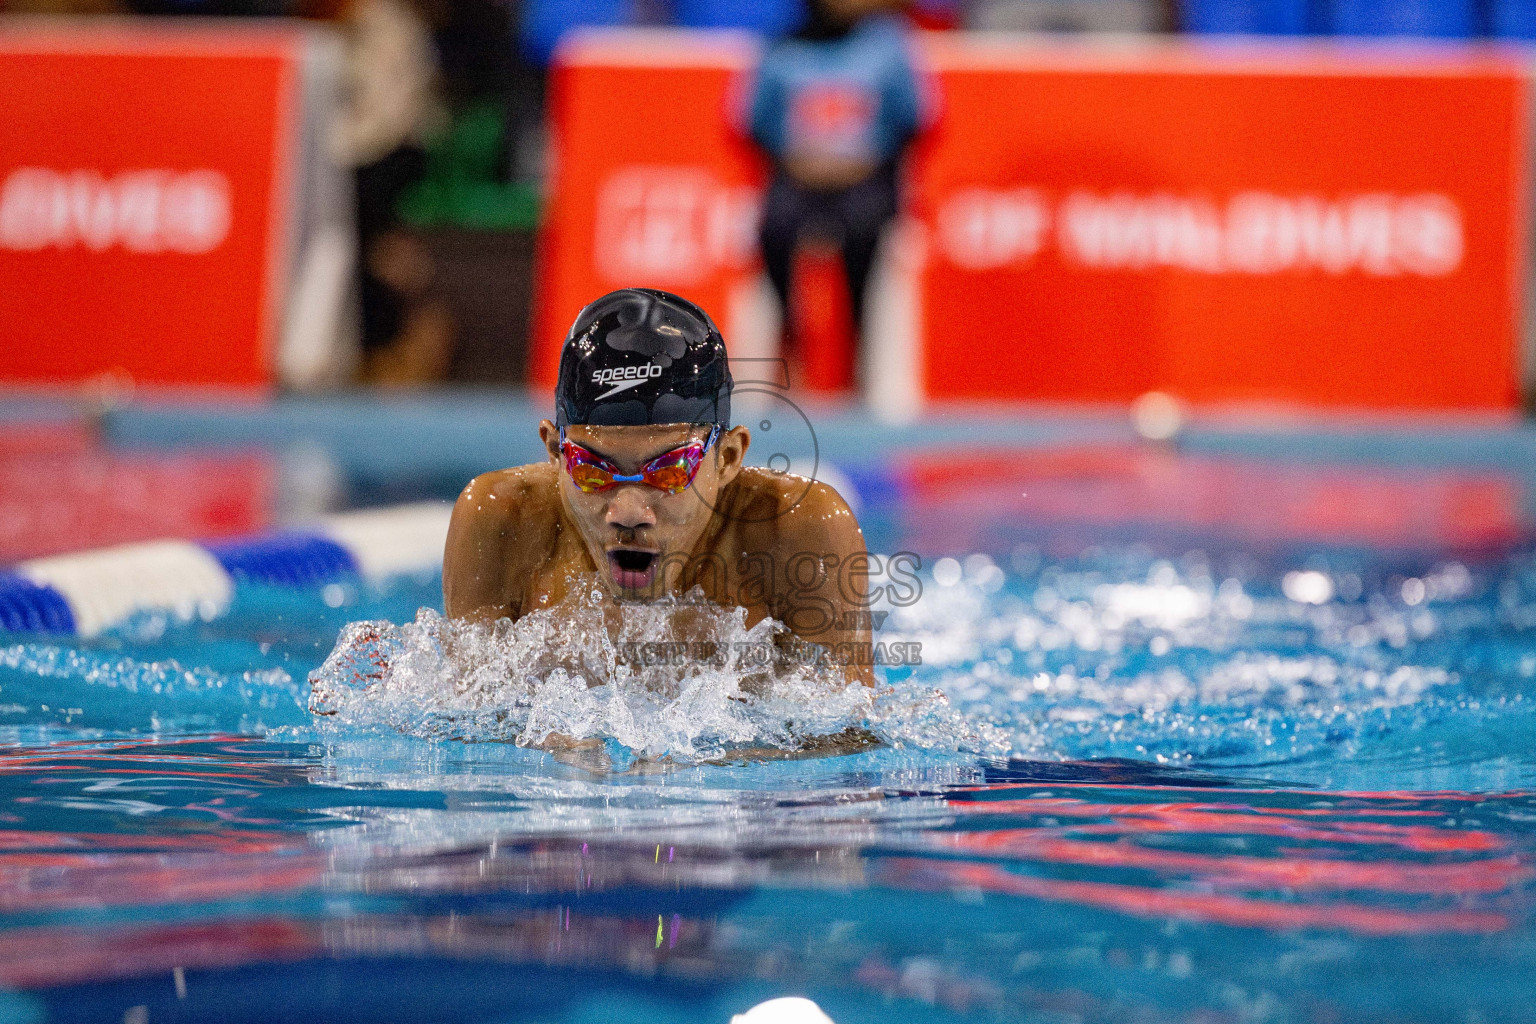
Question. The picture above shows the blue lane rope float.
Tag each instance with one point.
(284, 559)
(28, 607)
(83, 593)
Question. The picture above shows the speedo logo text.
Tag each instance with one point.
(624, 377)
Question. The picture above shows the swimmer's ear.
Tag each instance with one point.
(731, 452)
(550, 435)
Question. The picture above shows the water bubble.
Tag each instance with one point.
(978, 563)
(1158, 416)
(946, 572)
(1307, 587)
(1449, 582)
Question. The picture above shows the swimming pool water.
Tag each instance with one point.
(1192, 773)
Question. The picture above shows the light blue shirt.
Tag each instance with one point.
(855, 98)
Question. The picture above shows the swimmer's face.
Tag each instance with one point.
(640, 537)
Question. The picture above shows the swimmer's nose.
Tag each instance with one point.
(628, 509)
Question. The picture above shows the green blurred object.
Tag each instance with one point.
(462, 186)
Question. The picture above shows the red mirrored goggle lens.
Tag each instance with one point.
(671, 472)
(587, 476)
(675, 470)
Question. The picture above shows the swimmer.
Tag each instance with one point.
(645, 487)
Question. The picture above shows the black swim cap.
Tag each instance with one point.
(638, 356)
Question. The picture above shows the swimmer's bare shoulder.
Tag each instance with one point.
(505, 525)
(814, 542)
(783, 512)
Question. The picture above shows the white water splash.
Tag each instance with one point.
(682, 678)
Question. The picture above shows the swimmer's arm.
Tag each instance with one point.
(475, 578)
(820, 544)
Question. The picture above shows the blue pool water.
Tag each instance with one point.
(1230, 736)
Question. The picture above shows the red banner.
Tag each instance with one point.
(652, 186)
(143, 202)
(1299, 223)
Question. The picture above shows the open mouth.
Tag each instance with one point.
(631, 569)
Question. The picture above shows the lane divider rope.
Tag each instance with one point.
(86, 592)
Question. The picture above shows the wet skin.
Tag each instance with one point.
(749, 537)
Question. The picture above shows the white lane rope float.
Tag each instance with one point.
(84, 593)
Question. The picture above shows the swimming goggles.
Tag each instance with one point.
(671, 472)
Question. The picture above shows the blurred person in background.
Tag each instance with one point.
(835, 106)
(393, 106)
